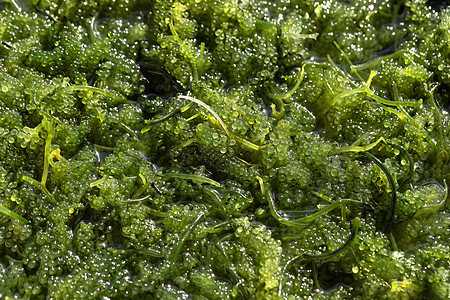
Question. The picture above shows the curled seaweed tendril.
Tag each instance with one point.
(219, 120)
(327, 255)
(405, 178)
(393, 190)
(173, 257)
(303, 221)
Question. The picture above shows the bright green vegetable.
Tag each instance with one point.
(222, 149)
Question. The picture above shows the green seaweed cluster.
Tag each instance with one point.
(224, 149)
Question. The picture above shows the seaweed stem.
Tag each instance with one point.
(393, 190)
(218, 202)
(177, 249)
(303, 221)
(327, 255)
(48, 141)
(13, 215)
(193, 177)
(285, 96)
(208, 108)
(40, 186)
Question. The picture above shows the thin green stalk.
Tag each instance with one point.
(393, 242)
(217, 242)
(308, 219)
(409, 173)
(93, 33)
(99, 181)
(352, 68)
(208, 108)
(307, 256)
(341, 248)
(48, 142)
(371, 94)
(285, 268)
(303, 221)
(394, 103)
(427, 209)
(400, 113)
(13, 215)
(151, 252)
(248, 143)
(40, 186)
(437, 113)
(155, 213)
(92, 89)
(142, 189)
(222, 124)
(193, 177)
(219, 227)
(353, 148)
(218, 202)
(152, 122)
(374, 62)
(314, 273)
(177, 249)
(343, 95)
(15, 5)
(285, 96)
(393, 190)
(340, 71)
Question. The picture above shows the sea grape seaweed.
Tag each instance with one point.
(224, 149)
